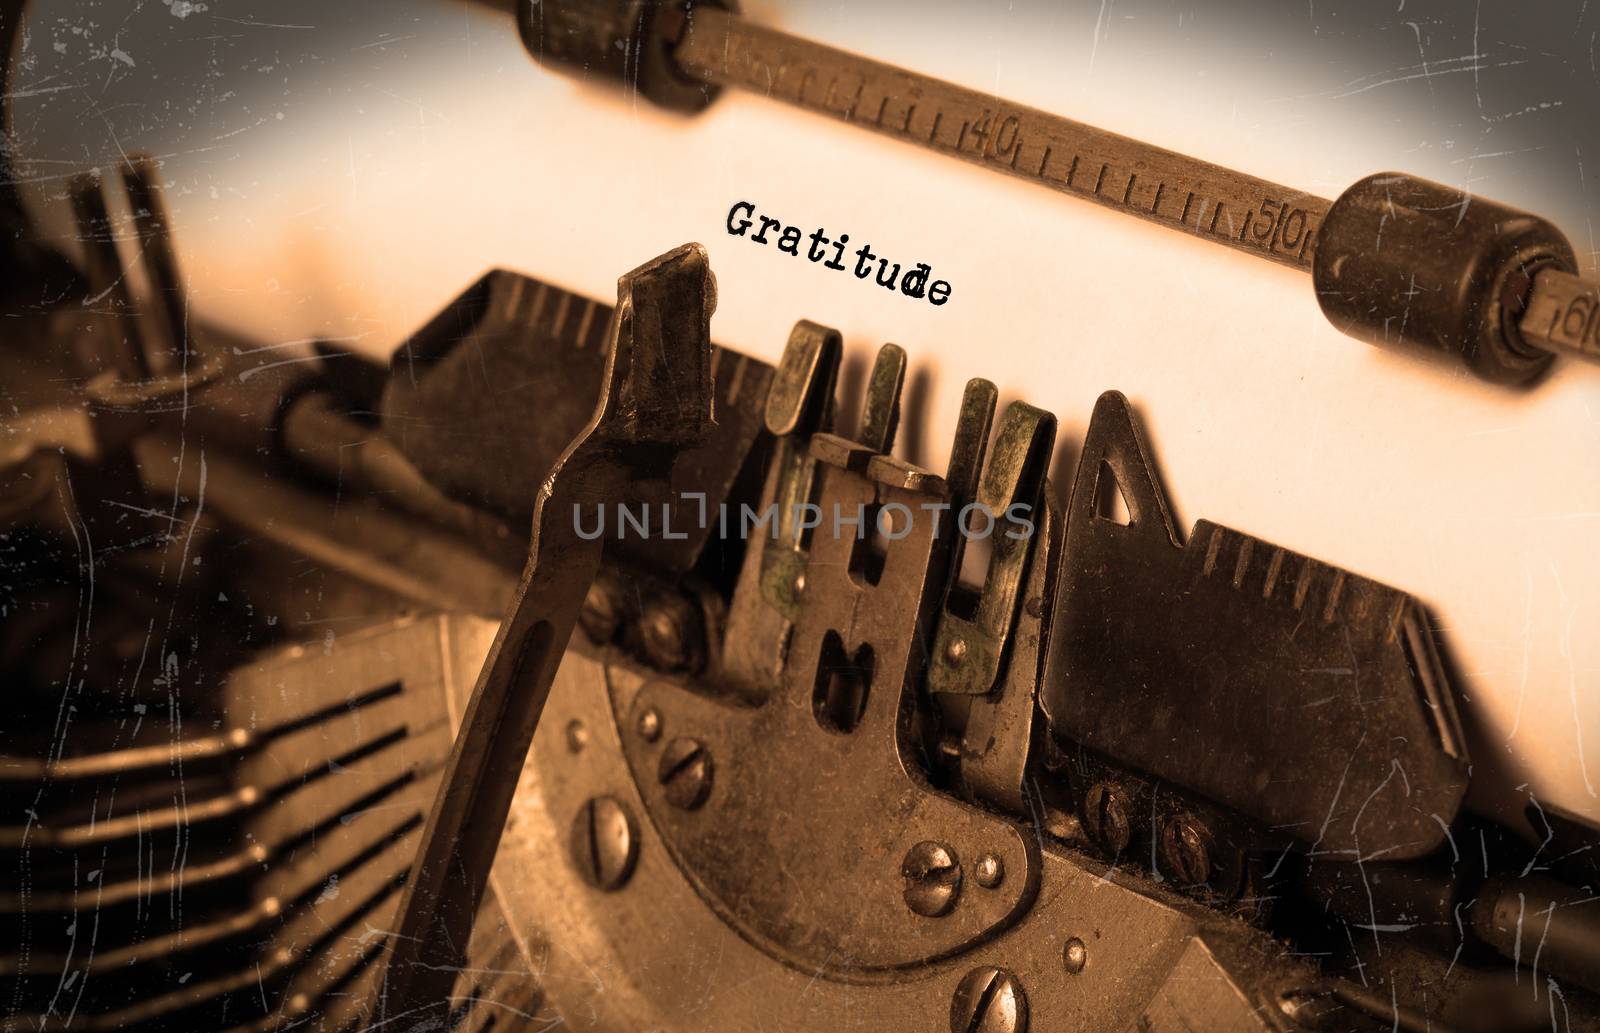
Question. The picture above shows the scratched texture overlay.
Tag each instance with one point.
(180, 674)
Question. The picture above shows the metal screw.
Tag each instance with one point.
(577, 736)
(1074, 955)
(1105, 817)
(989, 1000)
(990, 871)
(933, 879)
(1185, 851)
(602, 610)
(685, 773)
(605, 843)
(956, 651)
(666, 630)
(650, 724)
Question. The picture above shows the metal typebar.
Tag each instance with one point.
(655, 402)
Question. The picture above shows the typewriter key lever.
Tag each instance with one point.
(1395, 260)
(655, 402)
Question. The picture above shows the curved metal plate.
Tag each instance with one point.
(800, 842)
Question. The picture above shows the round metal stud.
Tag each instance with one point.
(649, 724)
(1074, 955)
(990, 871)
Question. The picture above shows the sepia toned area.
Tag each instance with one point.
(1187, 625)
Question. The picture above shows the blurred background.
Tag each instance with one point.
(342, 170)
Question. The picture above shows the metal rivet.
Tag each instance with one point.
(605, 843)
(990, 871)
(1105, 818)
(1074, 955)
(650, 724)
(685, 773)
(577, 736)
(956, 651)
(989, 1000)
(933, 879)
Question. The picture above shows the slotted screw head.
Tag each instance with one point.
(989, 1000)
(666, 630)
(1186, 851)
(602, 611)
(605, 843)
(1105, 818)
(685, 773)
(933, 879)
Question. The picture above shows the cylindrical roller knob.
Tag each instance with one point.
(629, 41)
(1403, 261)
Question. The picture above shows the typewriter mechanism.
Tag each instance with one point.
(573, 671)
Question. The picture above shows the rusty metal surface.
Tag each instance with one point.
(1299, 664)
(510, 345)
(652, 955)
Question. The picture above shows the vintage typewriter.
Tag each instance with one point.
(343, 699)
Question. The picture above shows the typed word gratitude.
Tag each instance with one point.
(835, 253)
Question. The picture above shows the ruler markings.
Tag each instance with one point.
(1271, 225)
